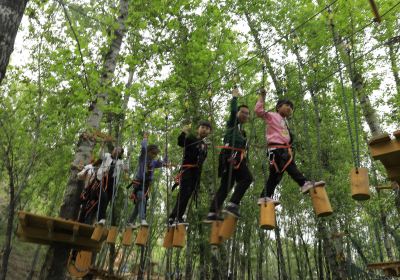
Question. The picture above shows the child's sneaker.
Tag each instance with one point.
(131, 225)
(183, 222)
(309, 185)
(233, 209)
(102, 222)
(211, 217)
(170, 222)
(144, 223)
(266, 199)
(319, 183)
(306, 187)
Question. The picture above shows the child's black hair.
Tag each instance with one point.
(153, 147)
(284, 101)
(204, 123)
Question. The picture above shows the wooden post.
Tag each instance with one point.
(98, 232)
(215, 239)
(320, 201)
(169, 237)
(127, 237)
(112, 235)
(228, 226)
(75, 230)
(267, 215)
(142, 236)
(359, 183)
(179, 236)
(80, 267)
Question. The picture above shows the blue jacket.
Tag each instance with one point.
(150, 166)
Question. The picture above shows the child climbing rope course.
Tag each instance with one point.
(280, 154)
(143, 179)
(232, 162)
(188, 179)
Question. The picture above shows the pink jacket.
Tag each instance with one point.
(276, 131)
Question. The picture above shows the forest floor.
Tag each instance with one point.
(20, 260)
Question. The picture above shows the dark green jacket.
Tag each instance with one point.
(235, 136)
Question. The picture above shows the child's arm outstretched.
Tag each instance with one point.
(143, 146)
(259, 108)
(185, 138)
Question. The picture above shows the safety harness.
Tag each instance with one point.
(135, 184)
(232, 159)
(271, 155)
(178, 176)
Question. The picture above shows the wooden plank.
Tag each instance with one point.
(384, 265)
(59, 224)
(388, 151)
(49, 230)
(383, 138)
(22, 218)
(40, 236)
(112, 235)
(49, 242)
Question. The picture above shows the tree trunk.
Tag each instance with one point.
(10, 223)
(299, 266)
(189, 263)
(357, 80)
(378, 241)
(56, 258)
(279, 250)
(141, 264)
(260, 254)
(386, 243)
(320, 261)
(11, 12)
(331, 255)
(215, 264)
(358, 248)
(305, 249)
(34, 262)
(267, 60)
(394, 67)
(339, 252)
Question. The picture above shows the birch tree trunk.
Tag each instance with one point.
(11, 12)
(56, 257)
(10, 220)
(358, 84)
(386, 243)
(254, 32)
(394, 67)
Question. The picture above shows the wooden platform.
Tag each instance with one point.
(48, 230)
(389, 268)
(387, 150)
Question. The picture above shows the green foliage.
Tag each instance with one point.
(185, 56)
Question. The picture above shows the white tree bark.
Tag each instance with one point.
(357, 79)
(11, 12)
(56, 258)
(267, 60)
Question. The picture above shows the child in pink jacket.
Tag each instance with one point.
(280, 153)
